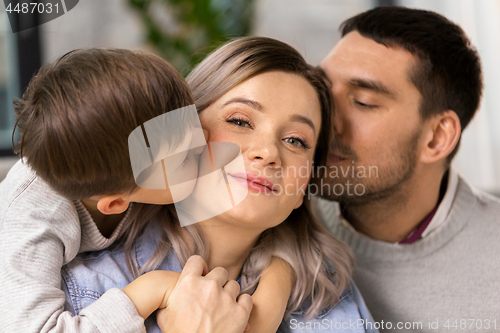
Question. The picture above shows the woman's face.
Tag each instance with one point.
(275, 118)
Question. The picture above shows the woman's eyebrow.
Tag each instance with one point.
(303, 119)
(257, 106)
(251, 103)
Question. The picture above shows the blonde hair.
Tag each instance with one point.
(322, 265)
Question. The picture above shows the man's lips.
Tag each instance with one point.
(254, 182)
(334, 158)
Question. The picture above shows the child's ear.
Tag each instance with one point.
(206, 134)
(112, 204)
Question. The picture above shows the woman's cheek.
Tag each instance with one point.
(220, 136)
(302, 173)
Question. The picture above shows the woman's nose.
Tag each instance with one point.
(265, 152)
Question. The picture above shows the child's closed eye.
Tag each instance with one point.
(189, 158)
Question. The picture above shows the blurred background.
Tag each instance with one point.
(184, 31)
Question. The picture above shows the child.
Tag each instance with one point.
(72, 189)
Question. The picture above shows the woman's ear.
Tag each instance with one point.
(443, 134)
(113, 204)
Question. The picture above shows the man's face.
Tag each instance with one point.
(377, 120)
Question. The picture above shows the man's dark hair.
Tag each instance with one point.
(448, 74)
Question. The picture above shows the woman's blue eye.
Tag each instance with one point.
(296, 142)
(239, 122)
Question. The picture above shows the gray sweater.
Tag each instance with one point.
(448, 281)
(40, 231)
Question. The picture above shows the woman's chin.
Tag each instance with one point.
(253, 213)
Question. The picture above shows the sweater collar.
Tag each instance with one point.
(92, 239)
(462, 207)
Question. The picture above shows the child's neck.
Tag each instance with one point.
(105, 223)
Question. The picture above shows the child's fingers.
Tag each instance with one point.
(195, 265)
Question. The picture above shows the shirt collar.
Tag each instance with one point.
(445, 206)
(439, 214)
(416, 234)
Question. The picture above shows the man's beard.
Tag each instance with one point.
(379, 181)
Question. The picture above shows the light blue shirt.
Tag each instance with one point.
(90, 274)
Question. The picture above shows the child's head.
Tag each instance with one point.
(77, 113)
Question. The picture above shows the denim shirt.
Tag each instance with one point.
(90, 274)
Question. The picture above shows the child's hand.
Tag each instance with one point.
(271, 297)
(151, 290)
(172, 278)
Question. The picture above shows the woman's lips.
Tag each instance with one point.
(254, 182)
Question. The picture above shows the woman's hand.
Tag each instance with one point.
(203, 303)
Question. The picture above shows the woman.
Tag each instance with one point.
(260, 94)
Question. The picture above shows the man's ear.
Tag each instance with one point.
(113, 204)
(443, 134)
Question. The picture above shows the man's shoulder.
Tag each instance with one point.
(484, 205)
(476, 213)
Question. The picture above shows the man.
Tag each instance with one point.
(406, 83)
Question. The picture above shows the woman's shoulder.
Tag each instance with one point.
(349, 314)
(91, 274)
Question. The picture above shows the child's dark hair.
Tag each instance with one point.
(77, 113)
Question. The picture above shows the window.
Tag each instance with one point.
(9, 83)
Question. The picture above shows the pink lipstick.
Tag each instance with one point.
(254, 182)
